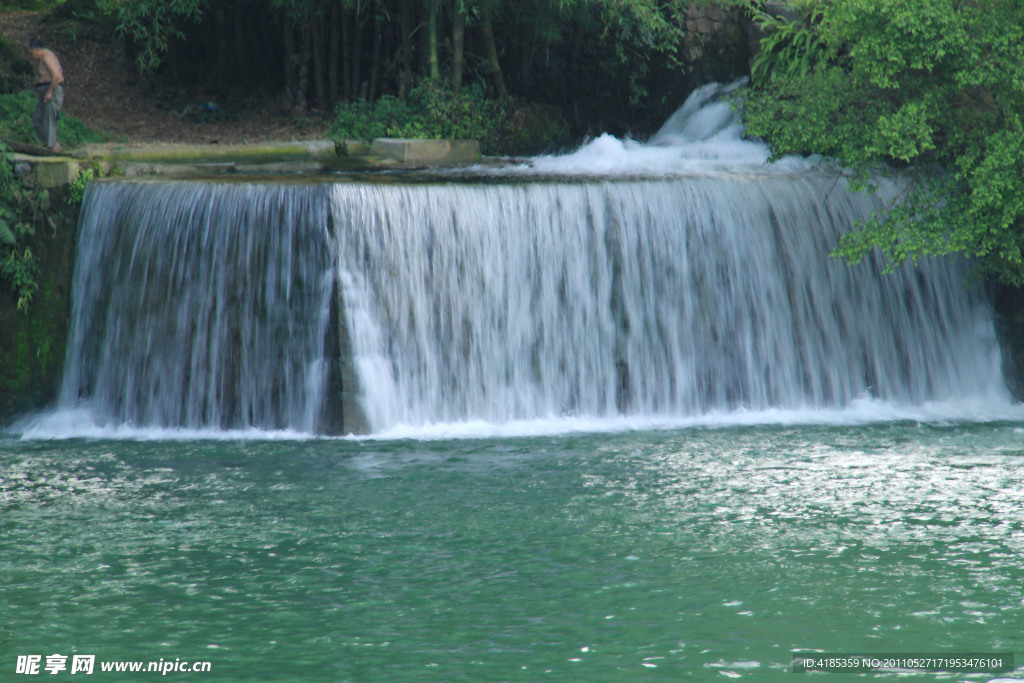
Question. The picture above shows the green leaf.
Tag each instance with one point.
(6, 236)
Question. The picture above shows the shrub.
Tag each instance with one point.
(16, 112)
(930, 89)
(17, 209)
(430, 111)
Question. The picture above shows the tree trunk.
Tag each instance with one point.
(296, 68)
(357, 54)
(493, 65)
(264, 74)
(575, 69)
(208, 52)
(422, 39)
(526, 65)
(222, 43)
(458, 49)
(435, 69)
(301, 105)
(375, 62)
(332, 57)
(346, 58)
(243, 72)
(405, 39)
(291, 64)
(316, 29)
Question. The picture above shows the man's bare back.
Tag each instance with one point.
(48, 69)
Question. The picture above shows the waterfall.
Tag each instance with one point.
(680, 278)
(665, 297)
(200, 305)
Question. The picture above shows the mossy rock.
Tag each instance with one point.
(32, 343)
(1008, 303)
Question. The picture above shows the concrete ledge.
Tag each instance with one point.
(354, 148)
(316, 150)
(281, 158)
(49, 172)
(427, 151)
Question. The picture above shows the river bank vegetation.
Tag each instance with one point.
(928, 91)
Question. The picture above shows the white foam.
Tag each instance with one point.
(703, 137)
(860, 412)
(81, 423)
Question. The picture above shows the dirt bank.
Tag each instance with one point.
(105, 92)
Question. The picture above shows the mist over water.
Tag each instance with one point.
(679, 282)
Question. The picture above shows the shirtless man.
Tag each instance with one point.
(49, 89)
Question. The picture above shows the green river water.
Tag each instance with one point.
(697, 554)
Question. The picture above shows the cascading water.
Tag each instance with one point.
(655, 298)
(667, 281)
(200, 305)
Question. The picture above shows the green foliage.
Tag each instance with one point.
(73, 132)
(430, 111)
(87, 10)
(9, 49)
(150, 24)
(16, 112)
(929, 90)
(789, 46)
(603, 62)
(364, 120)
(76, 192)
(34, 344)
(17, 207)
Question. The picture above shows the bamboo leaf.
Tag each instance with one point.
(6, 235)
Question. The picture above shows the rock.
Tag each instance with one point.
(353, 148)
(427, 151)
(55, 173)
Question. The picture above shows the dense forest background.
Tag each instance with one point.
(928, 91)
(619, 66)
